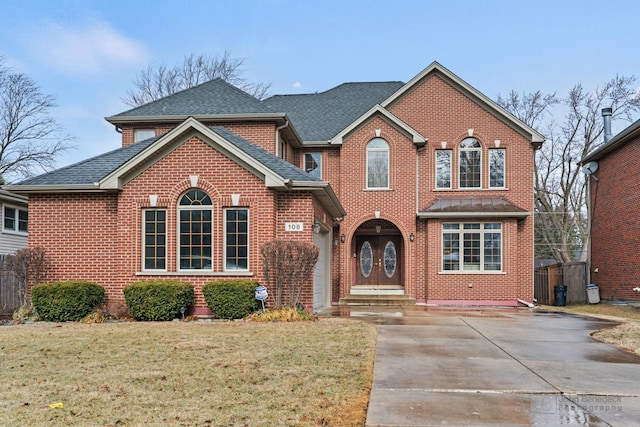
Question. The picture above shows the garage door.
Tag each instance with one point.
(321, 272)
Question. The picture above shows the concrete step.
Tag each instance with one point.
(377, 300)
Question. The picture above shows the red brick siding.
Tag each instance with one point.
(97, 236)
(441, 113)
(260, 133)
(615, 223)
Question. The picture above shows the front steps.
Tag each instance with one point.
(376, 300)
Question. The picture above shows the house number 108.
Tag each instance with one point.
(293, 226)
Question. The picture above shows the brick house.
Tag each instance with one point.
(613, 175)
(421, 189)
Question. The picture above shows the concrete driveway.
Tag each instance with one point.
(497, 367)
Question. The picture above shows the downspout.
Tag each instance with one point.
(277, 150)
(418, 177)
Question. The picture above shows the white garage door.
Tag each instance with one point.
(321, 272)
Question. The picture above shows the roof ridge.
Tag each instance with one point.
(334, 88)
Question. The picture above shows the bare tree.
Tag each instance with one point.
(156, 82)
(287, 266)
(560, 190)
(30, 139)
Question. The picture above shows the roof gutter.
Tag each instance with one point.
(278, 129)
(325, 194)
(26, 189)
(205, 117)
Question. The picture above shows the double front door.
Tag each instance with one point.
(378, 260)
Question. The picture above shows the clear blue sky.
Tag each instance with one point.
(87, 52)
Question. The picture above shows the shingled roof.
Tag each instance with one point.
(318, 117)
(91, 171)
(215, 97)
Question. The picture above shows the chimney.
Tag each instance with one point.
(606, 117)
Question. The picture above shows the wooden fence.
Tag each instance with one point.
(9, 292)
(573, 275)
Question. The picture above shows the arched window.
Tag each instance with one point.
(470, 152)
(195, 225)
(378, 163)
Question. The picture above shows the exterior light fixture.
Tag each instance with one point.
(343, 238)
(412, 237)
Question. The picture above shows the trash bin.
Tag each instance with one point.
(560, 295)
(593, 294)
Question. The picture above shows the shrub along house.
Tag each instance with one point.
(422, 190)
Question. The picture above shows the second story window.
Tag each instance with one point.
(443, 168)
(142, 134)
(313, 164)
(378, 163)
(470, 160)
(496, 168)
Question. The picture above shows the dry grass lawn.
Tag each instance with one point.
(186, 373)
(626, 335)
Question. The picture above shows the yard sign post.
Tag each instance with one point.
(261, 295)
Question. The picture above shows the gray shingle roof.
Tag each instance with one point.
(90, 170)
(213, 97)
(95, 169)
(271, 161)
(321, 116)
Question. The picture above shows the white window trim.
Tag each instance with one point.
(450, 169)
(141, 131)
(166, 246)
(304, 161)
(461, 232)
(504, 168)
(379, 150)
(460, 150)
(224, 241)
(194, 208)
(15, 230)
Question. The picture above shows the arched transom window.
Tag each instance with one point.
(195, 227)
(470, 161)
(378, 163)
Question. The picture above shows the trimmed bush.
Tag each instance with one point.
(158, 299)
(231, 299)
(66, 301)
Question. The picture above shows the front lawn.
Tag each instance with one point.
(186, 373)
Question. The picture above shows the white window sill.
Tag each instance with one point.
(195, 273)
(471, 189)
(464, 272)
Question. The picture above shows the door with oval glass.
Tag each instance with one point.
(378, 260)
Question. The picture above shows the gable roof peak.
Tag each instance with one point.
(435, 68)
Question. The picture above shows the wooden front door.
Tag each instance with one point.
(378, 260)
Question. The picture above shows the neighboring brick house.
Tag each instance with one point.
(614, 173)
(423, 189)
